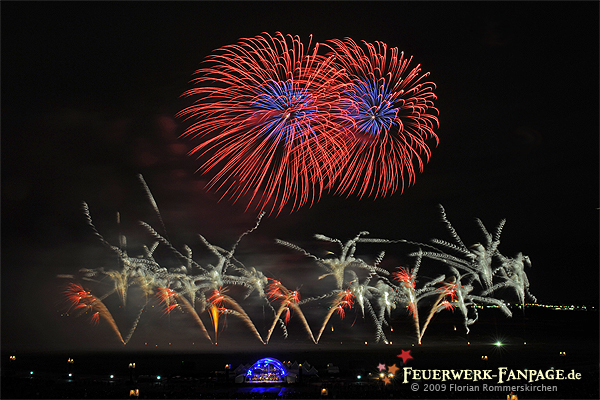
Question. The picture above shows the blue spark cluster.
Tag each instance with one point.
(286, 111)
(375, 107)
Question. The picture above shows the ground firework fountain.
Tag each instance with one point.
(197, 290)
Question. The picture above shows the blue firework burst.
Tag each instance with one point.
(287, 112)
(374, 106)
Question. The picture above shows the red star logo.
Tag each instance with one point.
(405, 356)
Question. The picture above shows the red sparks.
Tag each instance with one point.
(340, 309)
(170, 308)
(448, 305)
(348, 297)
(346, 301)
(295, 296)
(403, 275)
(217, 298)
(450, 290)
(275, 290)
(167, 296)
(75, 293)
(288, 315)
(412, 309)
(452, 294)
(78, 297)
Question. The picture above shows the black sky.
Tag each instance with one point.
(90, 90)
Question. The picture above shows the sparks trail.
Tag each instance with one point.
(289, 300)
(337, 266)
(343, 300)
(173, 300)
(188, 307)
(134, 326)
(84, 302)
(407, 286)
(219, 299)
(447, 289)
(476, 259)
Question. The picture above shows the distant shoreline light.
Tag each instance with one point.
(551, 306)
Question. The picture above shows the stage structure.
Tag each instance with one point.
(266, 370)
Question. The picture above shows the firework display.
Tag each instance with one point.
(201, 292)
(279, 123)
(390, 114)
(266, 120)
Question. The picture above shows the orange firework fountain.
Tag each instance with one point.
(289, 300)
(343, 300)
(84, 301)
(219, 298)
(172, 300)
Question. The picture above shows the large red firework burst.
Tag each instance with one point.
(265, 116)
(390, 113)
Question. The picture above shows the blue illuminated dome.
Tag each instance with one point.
(266, 370)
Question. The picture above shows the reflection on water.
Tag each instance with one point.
(274, 390)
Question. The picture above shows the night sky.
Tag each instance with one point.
(90, 90)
